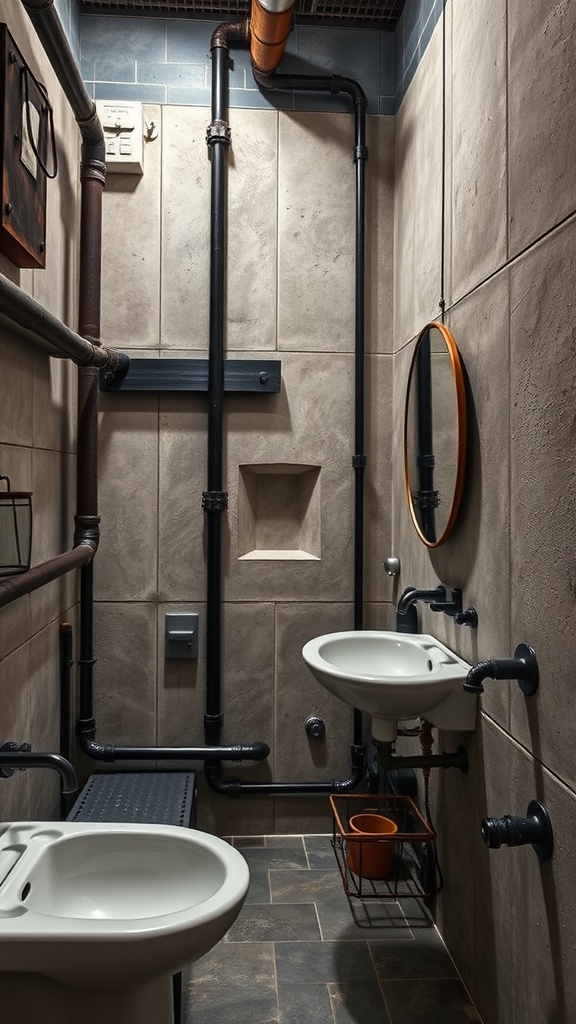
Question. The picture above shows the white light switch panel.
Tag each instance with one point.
(123, 134)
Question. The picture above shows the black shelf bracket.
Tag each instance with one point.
(240, 375)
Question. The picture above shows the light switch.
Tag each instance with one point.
(123, 128)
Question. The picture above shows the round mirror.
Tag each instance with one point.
(435, 434)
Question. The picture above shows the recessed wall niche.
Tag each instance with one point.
(279, 511)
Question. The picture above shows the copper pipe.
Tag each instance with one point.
(270, 26)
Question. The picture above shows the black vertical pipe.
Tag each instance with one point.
(65, 703)
(218, 160)
(332, 84)
(214, 499)
(359, 459)
(86, 659)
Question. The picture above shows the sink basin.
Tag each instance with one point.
(114, 908)
(394, 676)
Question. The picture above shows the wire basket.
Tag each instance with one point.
(356, 851)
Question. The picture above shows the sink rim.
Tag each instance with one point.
(19, 922)
(441, 672)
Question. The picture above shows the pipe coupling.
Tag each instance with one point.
(214, 501)
(218, 131)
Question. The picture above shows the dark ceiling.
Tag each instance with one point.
(382, 14)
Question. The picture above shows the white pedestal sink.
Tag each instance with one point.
(96, 918)
(394, 677)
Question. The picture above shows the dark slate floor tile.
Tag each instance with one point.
(304, 1004)
(320, 851)
(261, 860)
(246, 964)
(358, 1003)
(369, 921)
(284, 842)
(429, 1002)
(276, 923)
(291, 858)
(416, 913)
(305, 887)
(326, 961)
(229, 1004)
(259, 890)
(424, 958)
(246, 842)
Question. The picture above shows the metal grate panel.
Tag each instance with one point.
(380, 13)
(158, 798)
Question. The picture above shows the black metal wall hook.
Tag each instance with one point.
(535, 829)
(523, 667)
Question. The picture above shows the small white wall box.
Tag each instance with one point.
(123, 133)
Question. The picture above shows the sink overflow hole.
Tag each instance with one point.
(430, 665)
(25, 891)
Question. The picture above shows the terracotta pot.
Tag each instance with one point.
(371, 859)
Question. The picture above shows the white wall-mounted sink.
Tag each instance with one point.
(112, 908)
(394, 676)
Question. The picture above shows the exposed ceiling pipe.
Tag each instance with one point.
(270, 26)
(42, 327)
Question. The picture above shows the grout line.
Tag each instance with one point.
(378, 982)
(322, 939)
(332, 1002)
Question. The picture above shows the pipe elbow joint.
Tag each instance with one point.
(230, 32)
(85, 731)
(477, 674)
(232, 787)
(351, 87)
(98, 751)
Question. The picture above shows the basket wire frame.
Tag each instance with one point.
(413, 835)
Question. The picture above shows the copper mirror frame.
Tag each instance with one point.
(435, 434)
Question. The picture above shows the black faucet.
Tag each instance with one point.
(19, 755)
(438, 600)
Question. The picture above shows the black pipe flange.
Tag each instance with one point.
(535, 829)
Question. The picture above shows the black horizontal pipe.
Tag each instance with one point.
(235, 787)
(41, 759)
(110, 752)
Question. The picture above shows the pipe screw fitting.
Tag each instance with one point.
(315, 727)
